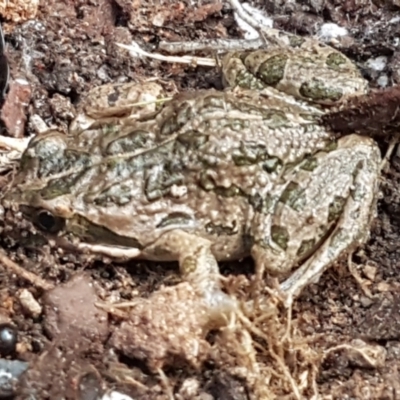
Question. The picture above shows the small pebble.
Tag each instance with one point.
(330, 31)
(159, 20)
(29, 303)
(116, 396)
(377, 64)
(383, 81)
(8, 339)
(10, 371)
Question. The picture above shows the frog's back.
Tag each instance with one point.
(216, 157)
(206, 163)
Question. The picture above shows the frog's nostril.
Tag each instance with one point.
(49, 222)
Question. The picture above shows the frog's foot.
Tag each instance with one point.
(198, 267)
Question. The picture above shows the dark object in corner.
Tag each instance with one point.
(4, 68)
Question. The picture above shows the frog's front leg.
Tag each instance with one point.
(323, 211)
(198, 266)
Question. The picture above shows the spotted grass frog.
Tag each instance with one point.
(211, 175)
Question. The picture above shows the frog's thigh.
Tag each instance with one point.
(197, 264)
(343, 189)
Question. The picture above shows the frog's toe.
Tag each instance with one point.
(220, 306)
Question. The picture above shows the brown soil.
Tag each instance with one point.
(344, 340)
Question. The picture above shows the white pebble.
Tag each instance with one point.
(330, 31)
(378, 63)
(29, 303)
(102, 73)
(383, 81)
(116, 396)
(159, 19)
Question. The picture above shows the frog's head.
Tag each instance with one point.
(51, 190)
(40, 191)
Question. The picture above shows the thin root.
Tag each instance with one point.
(137, 51)
(23, 273)
(165, 382)
(389, 151)
(285, 370)
(357, 277)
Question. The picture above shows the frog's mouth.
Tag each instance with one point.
(113, 251)
(76, 233)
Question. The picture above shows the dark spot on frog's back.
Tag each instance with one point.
(335, 61)
(214, 101)
(309, 164)
(170, 126)
(175, 218)
(113, 97)
(292, 196)
(248, 154)
(220, 230)
(133, 141)
(159, 183)
(118, 194)
(76, 160)
(316, 90)
(190, 140)
(296, 41)
(272, 71)
(280, 236)
(306, 248)
(45, 154)
(336, 208)
(71, 161)
(59, 187)
(207, 183)
(272, 164)
(264, 204)
(175, 117)
(49, 155)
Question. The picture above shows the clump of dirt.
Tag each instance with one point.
(341, 339)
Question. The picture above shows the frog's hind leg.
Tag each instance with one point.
(362, 159)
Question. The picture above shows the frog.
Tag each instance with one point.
(211, 176)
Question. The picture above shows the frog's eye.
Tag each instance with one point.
(48, 222)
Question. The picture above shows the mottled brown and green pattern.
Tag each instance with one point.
(210, 175)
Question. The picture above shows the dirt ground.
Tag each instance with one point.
(343, 342)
